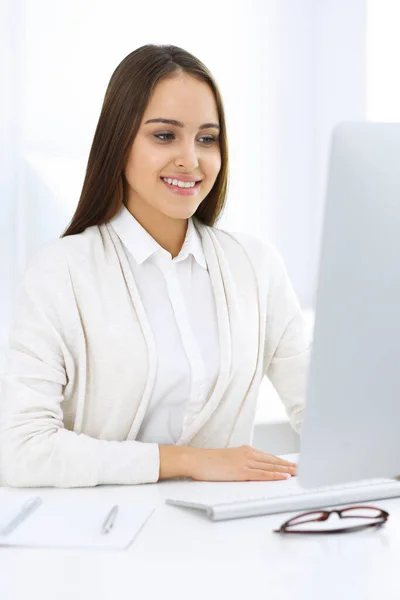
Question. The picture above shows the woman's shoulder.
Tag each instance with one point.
(53, 259)
(261, 251)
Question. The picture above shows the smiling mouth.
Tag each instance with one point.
(182, 187)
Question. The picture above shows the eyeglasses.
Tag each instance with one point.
(294, 524)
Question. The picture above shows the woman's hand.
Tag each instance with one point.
(223, 464)
(239, 464)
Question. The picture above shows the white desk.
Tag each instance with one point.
(179, 553)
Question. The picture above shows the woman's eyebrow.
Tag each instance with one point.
(180, 124)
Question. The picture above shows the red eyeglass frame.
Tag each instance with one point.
(324, 515)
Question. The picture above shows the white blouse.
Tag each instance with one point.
(179, 303)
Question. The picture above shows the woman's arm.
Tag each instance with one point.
(288, 342)
(35, 447)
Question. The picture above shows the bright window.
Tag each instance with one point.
(383, 55)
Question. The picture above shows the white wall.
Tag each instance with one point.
(8, 164)
(383, 57)
(340, 62)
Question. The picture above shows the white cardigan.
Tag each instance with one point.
(178, 299)
(81, 363)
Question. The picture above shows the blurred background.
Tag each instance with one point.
(288, 70)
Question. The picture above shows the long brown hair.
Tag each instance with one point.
(125, 101)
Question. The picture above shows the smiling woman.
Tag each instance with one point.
(182, 153)
(154, 86)
(142, 335)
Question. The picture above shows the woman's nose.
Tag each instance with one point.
(187, 157)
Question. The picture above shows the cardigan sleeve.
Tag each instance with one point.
(35, 447)
(287, 342)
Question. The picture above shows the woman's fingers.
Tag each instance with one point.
(273, 468)
(262, 475)
(270, 458)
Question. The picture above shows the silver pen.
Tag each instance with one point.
(110, 520)
(24, 512)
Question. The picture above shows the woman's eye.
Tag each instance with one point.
(162, 136)
(209, 139)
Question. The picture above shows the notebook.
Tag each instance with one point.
(73, 520)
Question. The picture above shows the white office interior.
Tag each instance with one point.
(288, 70)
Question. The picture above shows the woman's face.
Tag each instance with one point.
(187, 149)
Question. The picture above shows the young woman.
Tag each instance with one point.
(141, 336)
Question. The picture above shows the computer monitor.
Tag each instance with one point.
(351, 427)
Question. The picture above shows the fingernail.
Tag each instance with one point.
(286, 475)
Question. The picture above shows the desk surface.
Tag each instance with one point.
(179, 553)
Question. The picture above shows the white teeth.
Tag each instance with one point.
(183, 184)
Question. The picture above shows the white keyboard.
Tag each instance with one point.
(290, 496)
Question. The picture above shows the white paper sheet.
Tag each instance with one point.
(74, 520)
